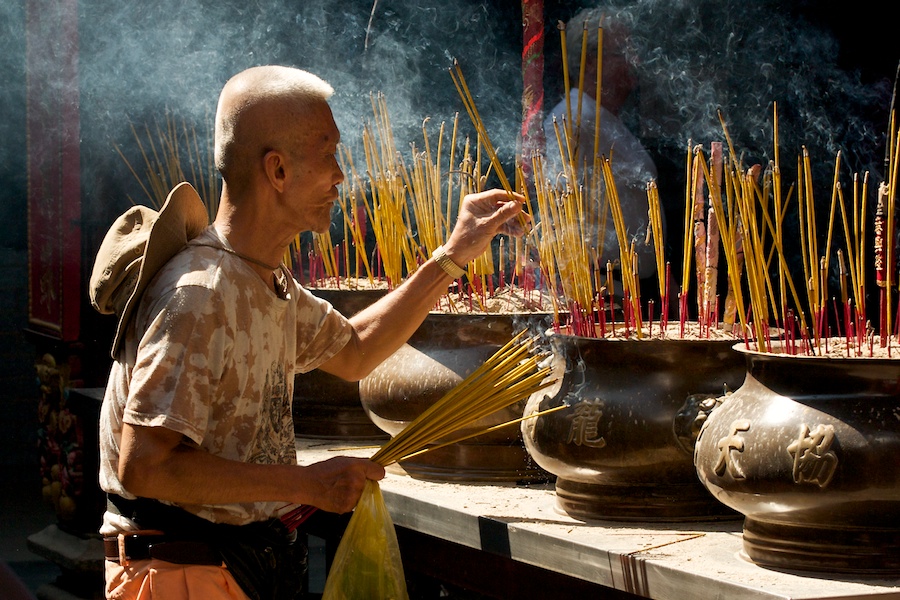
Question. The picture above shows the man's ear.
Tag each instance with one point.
(275, 168)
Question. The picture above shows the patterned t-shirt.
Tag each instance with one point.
(211, 353)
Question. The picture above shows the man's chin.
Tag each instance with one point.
(318, 223)
(320, 228)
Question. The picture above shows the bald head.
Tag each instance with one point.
(261, 109)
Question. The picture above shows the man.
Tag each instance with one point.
(631, 165)
(197, 409)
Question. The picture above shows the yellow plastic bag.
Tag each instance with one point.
(367, 563)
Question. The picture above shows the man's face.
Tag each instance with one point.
(316, 173)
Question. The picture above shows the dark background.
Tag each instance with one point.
(830, 69)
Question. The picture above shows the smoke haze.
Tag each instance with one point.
(139, 61)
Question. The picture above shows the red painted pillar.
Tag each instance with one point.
(54, 178)
(532, 79)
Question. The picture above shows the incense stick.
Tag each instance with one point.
(512, 374)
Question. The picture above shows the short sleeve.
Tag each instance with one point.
(321, 331)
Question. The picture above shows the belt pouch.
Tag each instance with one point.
(266, 561)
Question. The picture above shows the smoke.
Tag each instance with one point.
(140, 61)
(697, 60)
(12, 125)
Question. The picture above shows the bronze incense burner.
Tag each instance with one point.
(622, 447)
(808, 450)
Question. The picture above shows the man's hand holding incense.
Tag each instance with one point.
(339, 482)
(482, 216)
(384, 326)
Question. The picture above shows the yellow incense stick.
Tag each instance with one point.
(510, 375)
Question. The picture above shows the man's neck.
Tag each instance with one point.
(250, 233)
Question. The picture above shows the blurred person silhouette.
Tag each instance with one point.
(631, 164)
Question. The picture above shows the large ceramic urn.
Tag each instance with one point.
(326, 406)
(621, 446)
(808, 449)
(443, 351)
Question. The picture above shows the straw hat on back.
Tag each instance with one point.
(136, 247)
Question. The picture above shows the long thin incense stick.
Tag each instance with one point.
(511, 375)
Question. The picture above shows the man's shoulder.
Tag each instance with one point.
(195, 274)
(199, 263)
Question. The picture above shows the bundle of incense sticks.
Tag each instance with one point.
(749, 237)
(484, 140)
(512, 374)
(573, 208)
(712, 221)
(392, 186)
(740, 211)
(409, 206)
(425, 182)
(463, 89)
(726, 209)
(330, 263)
(572, 215)
(751, 220)
(564, 255)
(388, 208)
(173, 153)
(728, 229)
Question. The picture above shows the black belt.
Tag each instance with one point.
(264, 557)
(143, 545)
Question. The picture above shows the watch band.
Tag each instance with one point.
(446, 263)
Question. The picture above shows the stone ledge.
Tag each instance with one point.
(70, 552)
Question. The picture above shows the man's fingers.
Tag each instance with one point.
(513, 220)
(375, 471)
